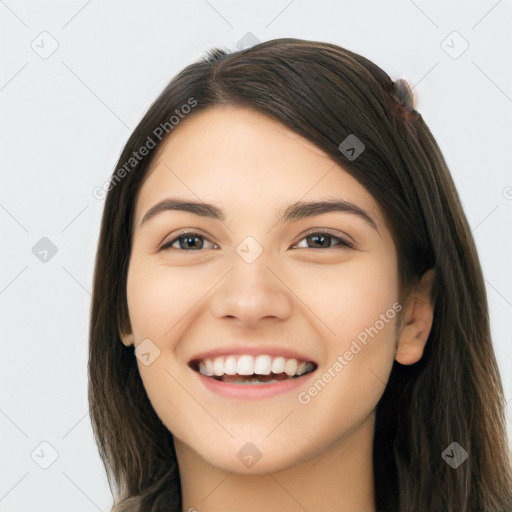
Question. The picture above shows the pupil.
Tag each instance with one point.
(187, 239)
(324, 237)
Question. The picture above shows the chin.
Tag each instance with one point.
(266, 464)
(249, 455)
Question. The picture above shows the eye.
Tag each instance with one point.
(323, 238)
(188, 241)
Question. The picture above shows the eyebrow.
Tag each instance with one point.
(295, 211)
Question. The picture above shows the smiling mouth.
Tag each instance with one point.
(254, 378)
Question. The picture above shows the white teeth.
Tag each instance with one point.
(218, 366)
(278, 365)
(206, 367)
(262, 365)
(230, 366)
(245, 365)
(248, 365)
(290, 367)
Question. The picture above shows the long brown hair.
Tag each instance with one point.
(453, 394)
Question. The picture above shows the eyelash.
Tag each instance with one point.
(189, 234)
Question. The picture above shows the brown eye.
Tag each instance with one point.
(322, 240)
(191, 241)
(187, 242)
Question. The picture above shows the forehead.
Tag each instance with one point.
(242, 159)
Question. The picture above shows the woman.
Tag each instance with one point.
(288, 309)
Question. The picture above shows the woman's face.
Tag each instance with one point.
(253, 283)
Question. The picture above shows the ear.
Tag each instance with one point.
(417, 318)
(126, 338)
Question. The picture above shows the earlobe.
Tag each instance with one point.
(411, 342)
(127, 339)
(417, 319)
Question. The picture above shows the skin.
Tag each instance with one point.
(314, 456)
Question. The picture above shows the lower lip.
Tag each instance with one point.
(252, 391)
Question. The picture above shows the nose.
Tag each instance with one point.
(251, 292)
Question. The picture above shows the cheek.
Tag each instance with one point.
(350, 297)
(359, 309)
(364, 319)
(369, 301)
(158, 297)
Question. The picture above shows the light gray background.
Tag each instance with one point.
(65, 118)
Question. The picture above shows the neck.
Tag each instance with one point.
(337, 477)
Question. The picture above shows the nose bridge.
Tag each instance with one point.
(251, 290)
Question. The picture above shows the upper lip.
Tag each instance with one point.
(252, 351)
